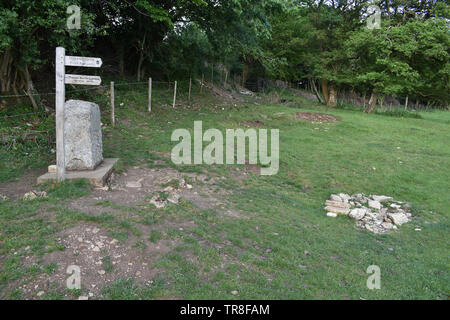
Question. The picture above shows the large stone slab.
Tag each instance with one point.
(337, 204)
(398, 218)
(82, 135)
(338, 210)
(97, 177)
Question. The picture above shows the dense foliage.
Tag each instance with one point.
(325, 43)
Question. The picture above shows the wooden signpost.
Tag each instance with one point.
(61, 80)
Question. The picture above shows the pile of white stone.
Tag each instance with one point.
(378, 214)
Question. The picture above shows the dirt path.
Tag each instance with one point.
(16, 189)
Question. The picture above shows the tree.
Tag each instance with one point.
(309, 35)
(404, 59)
(29, 32)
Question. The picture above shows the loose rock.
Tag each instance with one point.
(331, 214)
(382, 198)
(357, 214)
(398, 218)
(344, 211)
(174, 198)
(34, 195)
(337, 204)
(344, 197)
(335, 197)
(374, 204)
(158, 202)
(134, 185)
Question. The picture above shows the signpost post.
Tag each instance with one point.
(59, 105)
(61, 79)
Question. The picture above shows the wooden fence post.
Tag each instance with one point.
(175, 94)
(59, 104)
(113, 116)
(190, 86)
(203, 80)
(150, 94)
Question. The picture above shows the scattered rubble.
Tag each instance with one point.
(170, 194)
(158, 202)
(378, 214)
(34, 195)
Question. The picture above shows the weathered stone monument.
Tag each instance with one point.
(79, 147)
(82, 135)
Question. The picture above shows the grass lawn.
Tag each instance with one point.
(278, 244)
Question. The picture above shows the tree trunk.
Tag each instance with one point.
(406, 102)
(325, 90)
(141, 60)
(245, 73)
(313, 84)
(5, 71)
(332, 99)
(121, 51)
(372, 102)
(30, 88)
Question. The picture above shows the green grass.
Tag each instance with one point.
(263, 256)
(155, 236)
(107, 264)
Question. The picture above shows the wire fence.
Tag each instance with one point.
(119, 87)
(159, 93)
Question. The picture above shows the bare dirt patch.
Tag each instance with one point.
(316, 117)
(102, 260)
(16, 189)
(137, 185)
